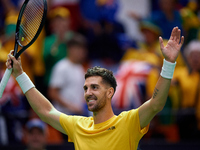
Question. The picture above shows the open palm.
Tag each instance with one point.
(172, 49)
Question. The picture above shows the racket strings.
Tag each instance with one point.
(31, 20)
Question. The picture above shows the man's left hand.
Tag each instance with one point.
(172, 49)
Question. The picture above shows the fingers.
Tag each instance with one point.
(179, 39)
(182, 40)
(161, 42)
(176, 35)
(11, 52)
(9, 62)
(10, 59)
(173, 34)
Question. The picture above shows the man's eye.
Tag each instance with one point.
(94, 87)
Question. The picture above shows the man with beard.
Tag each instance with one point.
(104, 130)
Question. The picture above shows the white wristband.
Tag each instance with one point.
(24, 82)
(167, 69)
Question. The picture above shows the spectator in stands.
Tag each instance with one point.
(73, 7)
(148, 50)
(191, 21)
(188, 80)
(102, 31)
(55, 44)
(35, 134)
(65, 87)
(167, 17)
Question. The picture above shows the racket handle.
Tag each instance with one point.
(4, 80)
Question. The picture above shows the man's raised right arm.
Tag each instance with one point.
(37, 101)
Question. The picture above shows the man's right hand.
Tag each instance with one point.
(17, 67)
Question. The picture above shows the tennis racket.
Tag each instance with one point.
(30, 22)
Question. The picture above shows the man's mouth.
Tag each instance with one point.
(91, 98)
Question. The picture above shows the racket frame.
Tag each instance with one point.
(8, 72)
(23, 48)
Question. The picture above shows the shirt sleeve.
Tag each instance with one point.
(133, 124)
(68, 123)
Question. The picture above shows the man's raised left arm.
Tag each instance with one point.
(170, 52)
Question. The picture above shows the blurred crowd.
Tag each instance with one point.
(120, 35)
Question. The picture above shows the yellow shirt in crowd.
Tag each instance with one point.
(188, 85)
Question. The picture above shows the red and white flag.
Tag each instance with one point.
(131, 79)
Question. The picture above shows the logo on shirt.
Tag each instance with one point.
(111, 128)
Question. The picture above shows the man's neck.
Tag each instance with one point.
(102, 115)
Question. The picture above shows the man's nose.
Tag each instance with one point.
(88, 92)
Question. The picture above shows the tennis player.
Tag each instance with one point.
(104, 130)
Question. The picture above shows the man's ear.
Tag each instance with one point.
(110, 92)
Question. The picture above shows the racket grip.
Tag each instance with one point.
(4, 80)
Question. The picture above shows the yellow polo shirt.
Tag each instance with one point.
(117, 133)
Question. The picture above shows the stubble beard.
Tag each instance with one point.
(99, 105)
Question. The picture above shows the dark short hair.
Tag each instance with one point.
(77, 40)
(106, 75)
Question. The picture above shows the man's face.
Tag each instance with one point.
(36, 139)
(95, 93)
